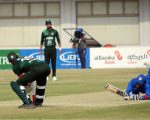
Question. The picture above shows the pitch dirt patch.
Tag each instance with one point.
(96, 99)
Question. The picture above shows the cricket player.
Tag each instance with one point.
(143, 86)
(136, 85)
(28, 70)
(147, 87)
(48, 37)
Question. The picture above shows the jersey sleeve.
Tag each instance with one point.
(129, 88)
(17, 70)
(148, 73)
(58, 38)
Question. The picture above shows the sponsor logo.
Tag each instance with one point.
(52, 33)
(118, 55)
(69, 57)
(106, 59)
(37, 56)
(148, 52)
(3, 60)
(134, 59)
(137, 57)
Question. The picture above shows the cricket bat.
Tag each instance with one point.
(115, 90)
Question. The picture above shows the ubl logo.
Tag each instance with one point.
(37, 56)
(69, 57)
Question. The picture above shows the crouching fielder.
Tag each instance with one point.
(28, 70)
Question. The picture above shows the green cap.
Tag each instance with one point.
(48, 21)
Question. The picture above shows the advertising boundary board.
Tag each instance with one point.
(69, 59)
(96, 58)
(119, 57)
(4, 64)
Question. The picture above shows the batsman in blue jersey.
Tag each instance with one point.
(141, 84)
(147, 87)
(135, 86)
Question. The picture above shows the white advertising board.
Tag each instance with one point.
(119, 57)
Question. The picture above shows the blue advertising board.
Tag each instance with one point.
(69, 59)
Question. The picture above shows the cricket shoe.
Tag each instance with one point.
(27, 106)
(38, 104)
(54, 78)
(47, 78)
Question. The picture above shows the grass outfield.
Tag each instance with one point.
(79, 94)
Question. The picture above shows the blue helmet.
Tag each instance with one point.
(79, 30)
(141, 79)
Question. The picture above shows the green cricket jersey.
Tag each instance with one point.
(24, 65)
(48, 38)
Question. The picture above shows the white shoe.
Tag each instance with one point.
(54, 78)
(47, 78)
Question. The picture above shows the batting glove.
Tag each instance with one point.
(134, 97)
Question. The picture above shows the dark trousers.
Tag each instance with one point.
(82, 55)
(38, 73)
(50, 55)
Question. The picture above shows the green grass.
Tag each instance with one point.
(74, 82)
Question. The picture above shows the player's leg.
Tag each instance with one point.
(40, 91)
(47, 55)
(41, 84)
(19, 92)
(27, 78)
(81, 55)
(84, 57)
(53, 60)
(22, 95)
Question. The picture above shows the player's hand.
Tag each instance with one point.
(40, 51)
(60, 51)
(28, 88)
(135, 97)
(126, 97)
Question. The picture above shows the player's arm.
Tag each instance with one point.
(129, 88)
(42, 42)
(58, 41)
(83, 38)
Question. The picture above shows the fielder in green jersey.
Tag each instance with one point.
(48, 37)
(28, 70)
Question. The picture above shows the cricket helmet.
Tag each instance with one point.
(79, 30)
(141, 79)
(12, 56)
(48, 21)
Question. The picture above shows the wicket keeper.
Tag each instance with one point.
(28, 70)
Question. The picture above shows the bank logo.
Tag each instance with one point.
(148, 52)
(118, 55)
(69, 57)
(37, 56)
